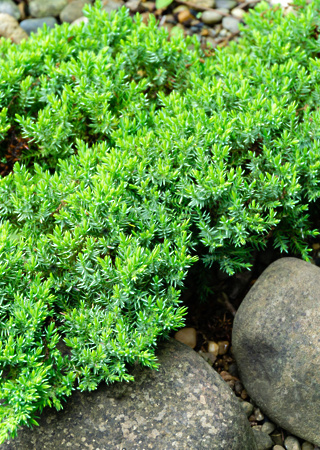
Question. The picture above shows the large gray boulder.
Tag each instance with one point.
(276, 343)
(184, 405)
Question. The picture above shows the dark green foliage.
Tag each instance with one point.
(142, 154)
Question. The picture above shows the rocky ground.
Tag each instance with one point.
(209, 323)
(215, 22)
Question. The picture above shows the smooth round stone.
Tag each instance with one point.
(277, 438)
(278, 447)
(307, 446)
(180, 8)
(231, 24)
(268, 427)
(291, 443)
(210, 17)
(10, 28)
(213, 347)
(275, 342)
(258, 415)
(238, 387)
(223, 347)
(185, 16)
(8, 7)
(227, 4)
(247, 407)
(112, 5)
(187, 336)
(73, 11)
(133, 5)
(263, 440)
(238, 13)
(32, 25)
(205, 3)
(222, 11)
(80, 20)
(41, 8)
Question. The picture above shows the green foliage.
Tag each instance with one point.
(143, 155)
(163, 3)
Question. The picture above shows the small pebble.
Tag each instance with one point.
(291, 443)
(179, 9)
(258, 414)
(268, 427)
(244, 394)
(145, 17)
(226, 376)
(32, 25)
(223, 33)
(213, 347)
(111, 5)
(167, 26)
(133, 5)
(149, 6)
(307, 446)
(238, 387)
(228, 4)
(209, 357)
(73, 11)
(8, 7)
(276, 437)
(206, 3)
(238, 13)
(170, 18)
(187, 336)
(185, 16)
(247, 407)
(80, 20)
(233, 369)
(231, 384)
(263, 440)
(278, 447)
(231, 24)
(223, 347)
(210, 17)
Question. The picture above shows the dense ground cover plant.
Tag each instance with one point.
(140, 156)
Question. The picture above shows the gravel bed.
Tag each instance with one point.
(215, 22)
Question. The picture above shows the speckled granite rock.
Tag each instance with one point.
(276, 344)
(184, 405)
